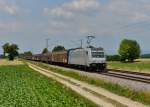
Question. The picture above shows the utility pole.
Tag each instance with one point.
(89, 39)
(47, 42)
(81, 41)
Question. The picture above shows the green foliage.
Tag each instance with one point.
(113, 58)
(145, 56)
(28, 53)
(129, 50)
(12, 50)
(5, 48)
(45, 50)
(58, 48)
(20, 86)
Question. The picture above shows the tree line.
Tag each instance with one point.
(128, 51)
(55, 49)
(11, 51)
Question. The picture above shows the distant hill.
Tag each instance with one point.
(145, 56)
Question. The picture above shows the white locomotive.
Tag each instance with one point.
(93, 58)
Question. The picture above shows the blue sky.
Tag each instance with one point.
(29, 22)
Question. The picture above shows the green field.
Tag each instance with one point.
(20, 86)
(140, 96)
(139, 66)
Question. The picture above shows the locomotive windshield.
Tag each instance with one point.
(98, 54)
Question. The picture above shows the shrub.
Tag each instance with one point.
(113, 58)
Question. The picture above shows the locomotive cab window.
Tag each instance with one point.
(98, 54)
(87, 52)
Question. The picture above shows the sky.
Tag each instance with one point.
(29, 23)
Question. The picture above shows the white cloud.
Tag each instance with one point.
(57, 12)
(133, 11)
(92, 16)
(82, 5)
(109, 20)
(72, 8)
(8, 8)
(12, 10)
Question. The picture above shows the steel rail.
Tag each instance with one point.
(129, 72)
(124, 75)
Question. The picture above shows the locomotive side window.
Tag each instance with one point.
(98, 54)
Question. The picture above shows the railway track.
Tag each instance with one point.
(129, 72)
(129, 75)
(135, 76)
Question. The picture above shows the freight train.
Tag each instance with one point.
(86, 58)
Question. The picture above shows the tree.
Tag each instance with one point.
(45, 50)
(5, 48)
(28, 53)
(58, 48)
(129, 50)
(12, 50)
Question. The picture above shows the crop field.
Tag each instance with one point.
(20, 86)
(141, 65)
(6, 62)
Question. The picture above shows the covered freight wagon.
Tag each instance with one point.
(59, 57)
(46, 57)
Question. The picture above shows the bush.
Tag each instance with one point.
(145, 56)
(113, 58)
(45, 51)
(58, 48)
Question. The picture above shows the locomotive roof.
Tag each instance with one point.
(92, 48)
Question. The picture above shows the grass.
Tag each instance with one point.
(143, 97)
(6, 62)
(20, 86)
(140, 66)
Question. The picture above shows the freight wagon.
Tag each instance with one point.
(87, 58)
(59, 57)
(46, 57)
